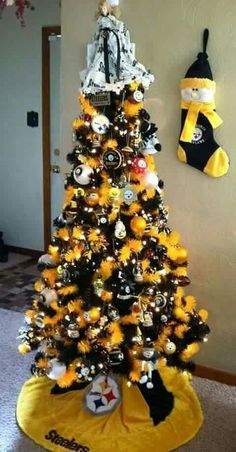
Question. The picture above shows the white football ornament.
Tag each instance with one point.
(56, 369)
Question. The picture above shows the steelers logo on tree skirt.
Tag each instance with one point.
(162, 418)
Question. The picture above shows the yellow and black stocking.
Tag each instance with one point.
(197, 145)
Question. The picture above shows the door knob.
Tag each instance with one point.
(55, 169)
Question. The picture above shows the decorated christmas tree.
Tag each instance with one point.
(110, 302)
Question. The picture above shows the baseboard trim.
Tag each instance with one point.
(215, 374)
(27, 251)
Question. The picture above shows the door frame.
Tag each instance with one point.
(46, 32)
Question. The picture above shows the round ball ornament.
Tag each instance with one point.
(169, 348)
(45, 261)
(164, 318)
(138, 225)
(150, 179)
(92, 197)
(138, 96)
(139, 165)
(79, 192)
(55, 369)
(83, 174)
(125, 291)
(102, 220)
(93, 315)
(160, 300)
(112, 159)
(182, 255)
(100, 124)
(47, 296)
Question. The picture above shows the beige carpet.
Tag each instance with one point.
(218, 401)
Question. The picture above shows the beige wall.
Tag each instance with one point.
(21, 172)
(167, 35)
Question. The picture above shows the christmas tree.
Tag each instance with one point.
(111, 298)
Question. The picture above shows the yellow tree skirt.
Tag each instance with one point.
(60, 422)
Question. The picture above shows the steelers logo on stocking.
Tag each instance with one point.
(197, 145)
(103, 395)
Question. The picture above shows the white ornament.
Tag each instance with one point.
(100, 124)
(120, 231)
(48, 296)
(138, 95)
(170, 348)
(150, 179)
(82, 174)
(46, 259)
(55, 369)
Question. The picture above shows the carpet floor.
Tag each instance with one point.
(13, 259)
(218, 433)
(16, 286)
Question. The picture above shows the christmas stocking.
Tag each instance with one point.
(197, 145)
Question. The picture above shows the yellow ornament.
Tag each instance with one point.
(39, 285)
(93, 315)
(138, 225)
(113, 195)
(24, 348)
(182, 255)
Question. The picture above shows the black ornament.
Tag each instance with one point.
(160, 300)
(112, 159)
(116, 357)
(125, 291)
(113, 313)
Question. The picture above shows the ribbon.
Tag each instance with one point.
(106, 33)
(194, 108)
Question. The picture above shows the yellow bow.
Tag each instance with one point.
(194, 108)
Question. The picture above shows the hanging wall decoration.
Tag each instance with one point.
(197, 145)
(20, 7)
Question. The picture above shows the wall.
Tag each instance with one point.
(168, 38)
(21, 184)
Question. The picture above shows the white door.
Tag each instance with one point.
(55, 151)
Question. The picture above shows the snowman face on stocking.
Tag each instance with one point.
(198, 94)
